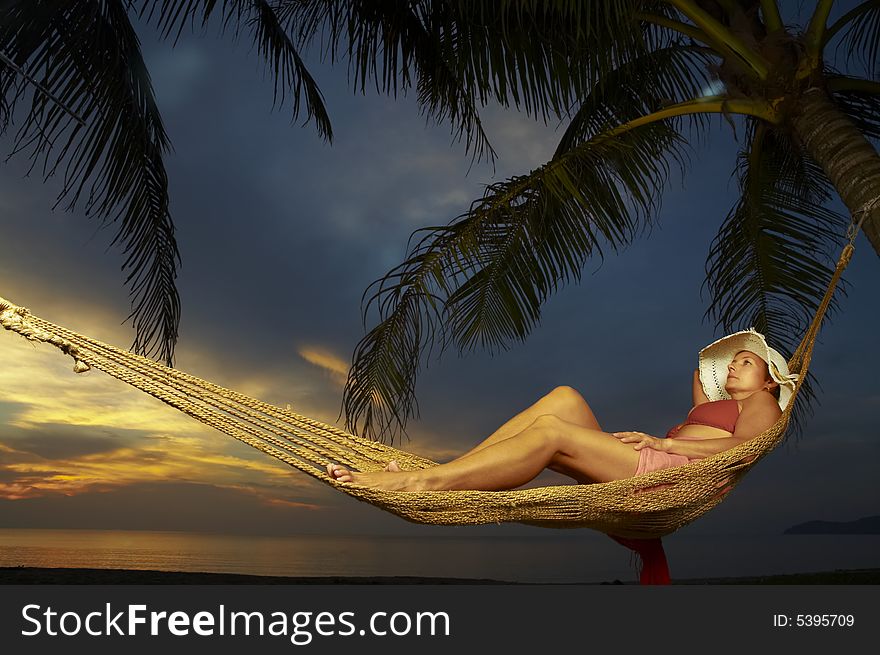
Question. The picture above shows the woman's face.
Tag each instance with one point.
(747, 372)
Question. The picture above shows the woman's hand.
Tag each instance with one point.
(642, 440)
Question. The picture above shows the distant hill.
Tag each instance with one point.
(867, 525)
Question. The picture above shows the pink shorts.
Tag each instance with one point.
(654, 460)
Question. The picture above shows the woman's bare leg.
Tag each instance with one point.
(564, 402)
(584, 453)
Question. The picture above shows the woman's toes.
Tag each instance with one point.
(336, 470)
(339, 473)
(392, 466)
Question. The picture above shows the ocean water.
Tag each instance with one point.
(585, 557)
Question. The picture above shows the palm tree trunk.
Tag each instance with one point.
(847, 157)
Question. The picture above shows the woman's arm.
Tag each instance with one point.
(760, 411)
(697, 448)
(700, 448)
(698, 393)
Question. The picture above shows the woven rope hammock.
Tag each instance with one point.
(644, 507)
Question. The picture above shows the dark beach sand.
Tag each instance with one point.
(26, 575)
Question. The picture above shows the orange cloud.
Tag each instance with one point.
(40, 395)
(324, 359)
(42, 402)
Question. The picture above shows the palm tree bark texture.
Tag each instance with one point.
(847, 157)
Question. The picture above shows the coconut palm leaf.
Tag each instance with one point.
(18, 70)
(540, 57)
(481, 280)
(670, 74)
(770, 263)
(273, 44)
(861, 105)
(859, 36)
(87, 56)
(395, 34)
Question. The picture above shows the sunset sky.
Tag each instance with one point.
(280, 234)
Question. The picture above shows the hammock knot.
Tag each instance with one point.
(79, 366)
(15, 319)
(12, 317)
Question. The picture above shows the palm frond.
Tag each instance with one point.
(860, 36)
(395, 34)
(542, 56)
(481, 281)
(539, 57)
(6, 62)
(770, 263)
(86, 55)
(273, 42)
(862, 107)
(8, 81)
(667, 75)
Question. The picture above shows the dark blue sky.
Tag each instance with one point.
(280, 234)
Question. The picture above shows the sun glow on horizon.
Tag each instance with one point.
(65, 435)
(68, 434)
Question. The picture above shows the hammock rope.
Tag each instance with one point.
(622, 508)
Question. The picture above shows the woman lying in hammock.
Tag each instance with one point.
(739, 391)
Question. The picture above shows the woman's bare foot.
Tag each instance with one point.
(388, 478)
(390, 467)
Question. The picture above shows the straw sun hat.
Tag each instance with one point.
(715, 357)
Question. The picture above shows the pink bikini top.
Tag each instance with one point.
(721, 414)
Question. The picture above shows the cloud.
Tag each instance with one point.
(6, 476)
(68, 437)
(153, 458)
(66, 434)
(522, 143)
(179, 72)
(327, 361)
(147, 505)
(54, 441)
